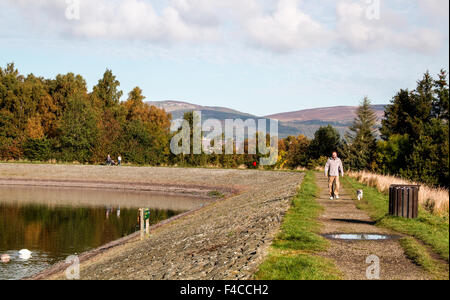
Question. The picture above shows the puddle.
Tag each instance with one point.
(359, 237)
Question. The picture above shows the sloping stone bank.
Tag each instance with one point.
(224, 240)
(227, 240)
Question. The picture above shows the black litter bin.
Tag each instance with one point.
(404, 201)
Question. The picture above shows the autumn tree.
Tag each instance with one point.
(105, 98)
(297, 151)
(146, 132)
(78, 130)
(326, 140)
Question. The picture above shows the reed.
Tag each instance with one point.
(433, 199)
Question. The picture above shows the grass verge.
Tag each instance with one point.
(431, 230)
(292, 254)
(420, 256)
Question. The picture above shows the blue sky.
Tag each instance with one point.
(260, 57)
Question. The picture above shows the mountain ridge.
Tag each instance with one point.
(333, 113)
(304, 122)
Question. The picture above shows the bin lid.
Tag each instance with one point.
(405, 186)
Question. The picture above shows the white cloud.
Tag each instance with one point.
(200, 12)
(435, 8)
(391, 30)
(279, 26)
(286, 29)
(123, 19)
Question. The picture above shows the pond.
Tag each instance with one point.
(54, 223)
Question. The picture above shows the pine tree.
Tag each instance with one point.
(441, 101)
(107, 90)
(360, 146)
(421, 118)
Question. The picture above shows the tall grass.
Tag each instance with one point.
(435, 200)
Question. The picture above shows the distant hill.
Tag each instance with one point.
(338, 114)
(304, 122)
(178, 108)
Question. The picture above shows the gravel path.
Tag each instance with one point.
(342, 216)
(225, 240)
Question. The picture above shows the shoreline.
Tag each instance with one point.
(227, 238)
(196, 190)
(61, 266)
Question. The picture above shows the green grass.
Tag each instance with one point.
(292, 254)
(419, 254)
(431, 230)
(296, 267)
(216, 194)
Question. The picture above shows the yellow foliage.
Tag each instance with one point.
(34, 128)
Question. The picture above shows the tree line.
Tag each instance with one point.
(59, 120)
(412, 141)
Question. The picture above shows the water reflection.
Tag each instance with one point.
(53, 231)
(360, 237)
(79, 197)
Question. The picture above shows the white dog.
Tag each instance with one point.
(359, 194)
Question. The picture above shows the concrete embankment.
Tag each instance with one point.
(224, 240)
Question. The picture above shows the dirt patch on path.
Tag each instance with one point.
(342, 216)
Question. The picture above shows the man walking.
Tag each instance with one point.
(332, 170)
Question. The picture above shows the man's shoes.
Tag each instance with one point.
(331, 198)
(337, 197)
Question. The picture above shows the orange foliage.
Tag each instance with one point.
(34, 128)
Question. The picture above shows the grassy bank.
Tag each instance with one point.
(435, 200)
(419, 254)
(292, 254)
(428, 234)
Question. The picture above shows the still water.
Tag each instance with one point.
(55, 223)
(360, 237)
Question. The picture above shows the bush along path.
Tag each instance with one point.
(425, 239)
(358, 260)
(293, 254)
